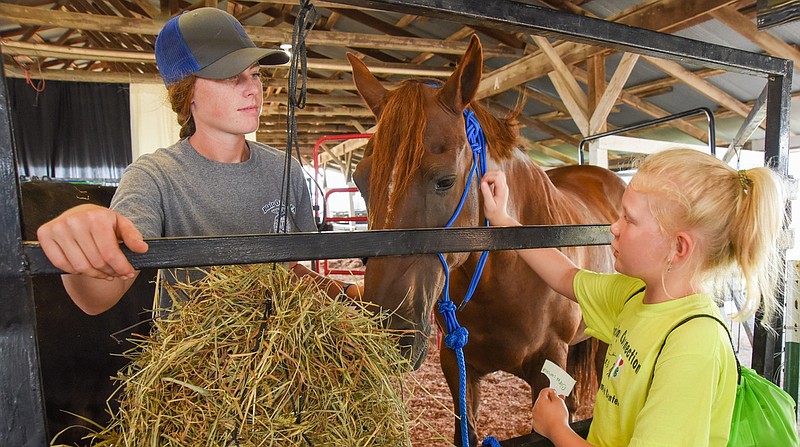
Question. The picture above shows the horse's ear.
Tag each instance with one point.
(368, 86)
(462, 85)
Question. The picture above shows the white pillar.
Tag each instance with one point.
(153, 123)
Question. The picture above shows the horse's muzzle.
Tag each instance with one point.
(414, 347)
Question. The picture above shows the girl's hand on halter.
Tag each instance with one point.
(495, 199)
(550, 415)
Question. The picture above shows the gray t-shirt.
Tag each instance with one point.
(175, 192)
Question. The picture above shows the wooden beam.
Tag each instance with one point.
(535, 123)
(646, 88)
(318, 4)
(702, 86)
(609, 98)
(527, 92)
(86, 76)
(654, 111)
(573, 97)
(80, 53)
(316, 84)
(577, 95)
(319, 111)
(308, 129)
(619, 143)
(596, 81)
(103, 23)
(530, 67)
(576, 110)
(738, 22)
(657, 112)
(664, 16)
(381, 68)
(345, 147)
(549, 152)
(64, 52)
(318, 120)
(685, 125)
(353, 100)
(148, 8)
(669, 16)
(462, 33)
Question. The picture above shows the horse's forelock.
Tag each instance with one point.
(397, 146)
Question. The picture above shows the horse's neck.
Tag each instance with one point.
(533, 198)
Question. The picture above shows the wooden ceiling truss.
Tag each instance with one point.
(112, 41)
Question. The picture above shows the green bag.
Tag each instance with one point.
(763, 414)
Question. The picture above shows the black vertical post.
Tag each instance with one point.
(768, 345)
(22, 422)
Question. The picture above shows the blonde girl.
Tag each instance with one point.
(689, 222)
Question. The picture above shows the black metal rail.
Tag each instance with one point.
(202, 251)
(516, 16)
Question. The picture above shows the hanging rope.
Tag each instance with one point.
(298, 71)
(37, 88)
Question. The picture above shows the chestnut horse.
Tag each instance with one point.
(413, 173)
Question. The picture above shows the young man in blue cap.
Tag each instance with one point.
(212, 182)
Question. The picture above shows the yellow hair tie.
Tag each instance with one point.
(745, 181)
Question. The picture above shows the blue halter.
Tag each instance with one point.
(477, 141)
(456, 337)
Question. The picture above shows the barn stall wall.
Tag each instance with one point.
(21, 408)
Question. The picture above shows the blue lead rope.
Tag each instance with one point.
(457, 336)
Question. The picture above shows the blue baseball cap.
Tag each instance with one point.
(208, 43)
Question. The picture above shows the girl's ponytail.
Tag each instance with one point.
(755, 234)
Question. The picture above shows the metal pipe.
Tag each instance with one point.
(709, 119)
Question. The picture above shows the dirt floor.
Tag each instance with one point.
(504, 413)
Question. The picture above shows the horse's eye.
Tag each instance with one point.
(445, 183)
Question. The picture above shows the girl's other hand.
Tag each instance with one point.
(550, 413)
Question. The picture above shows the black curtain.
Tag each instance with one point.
(71, 130)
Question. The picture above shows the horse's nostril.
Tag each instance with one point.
(419, 352)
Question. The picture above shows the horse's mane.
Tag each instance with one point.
(398, 144)
(502, 134)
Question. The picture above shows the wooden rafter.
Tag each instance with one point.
(112, 41)
(702, 86)
(611, 93)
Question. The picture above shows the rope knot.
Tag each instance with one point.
(446, 306)
(490, 441)
(475, 136)
(448, 310)
(457, 339)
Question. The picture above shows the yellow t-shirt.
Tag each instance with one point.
(690, 401)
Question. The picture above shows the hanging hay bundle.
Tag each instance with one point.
(254, 359)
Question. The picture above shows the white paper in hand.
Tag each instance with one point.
(559, 379)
